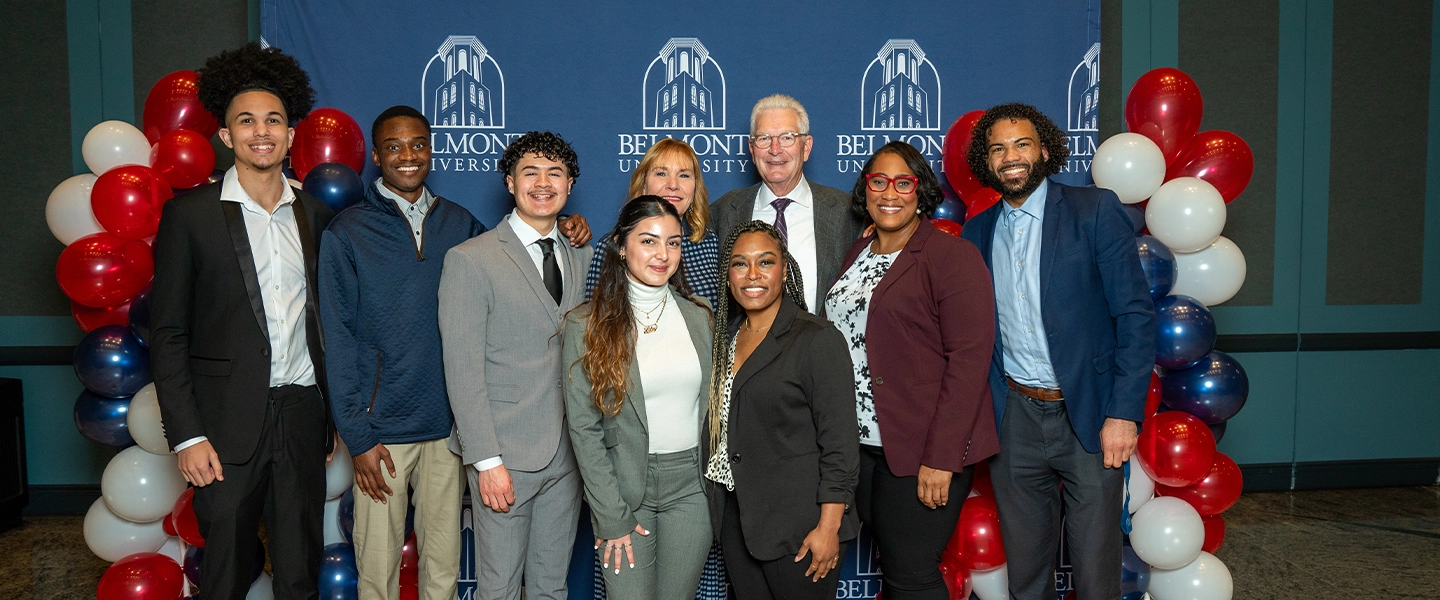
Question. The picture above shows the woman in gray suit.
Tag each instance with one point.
(637, 360)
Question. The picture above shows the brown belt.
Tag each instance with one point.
(1038, 393)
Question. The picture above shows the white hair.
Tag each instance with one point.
(781, 101)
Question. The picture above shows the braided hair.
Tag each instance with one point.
(726, 311)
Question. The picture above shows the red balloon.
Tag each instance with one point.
(947, 226)
(981, 484)
(127, 199)
(1152, 399)
(183, 158)
(184, 516)
(1176, 448)
(1165, 106)
(979, 201)
(168, 524)
(89, 319)
(173, 104)
(1214, 494)
(1221, 158)
(101, 269)
(142, 576)
(979, 528)
(957, 582)
(409, 562)
(327, 135)
(953, 155)
(1214, 533)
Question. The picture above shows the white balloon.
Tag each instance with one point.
(1213, 275)
(993, 584)
(1167, 533)
(261, 589)
(114, 143)
(1186, 214)
(330, 522)
(112, 538)
(141, 487)
(68, 212)
(143, 421)
(340, 473)
(173, 549)
(1205, 578)
(1140, 487)
(1130, 165)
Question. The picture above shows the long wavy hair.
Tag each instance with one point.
(726, 311)
(699, 214)
(610, 334)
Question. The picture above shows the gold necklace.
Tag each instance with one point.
(746, 327)
(653, 326)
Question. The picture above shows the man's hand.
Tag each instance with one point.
(1117, 441)
(200, 464)
(329, 456)
(576, 229)
(496, 491)
(368, 476)
(934, 488)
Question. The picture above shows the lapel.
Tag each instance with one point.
(769, 349)
(313, 330)
(986, 221)
(904, 262)
(240, 241)
(828, 225)
(1049, 232)
(511, 246)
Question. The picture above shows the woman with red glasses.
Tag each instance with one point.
(918, 310)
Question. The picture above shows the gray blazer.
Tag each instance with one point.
(836, 226)
(499, 330)
(612, 451)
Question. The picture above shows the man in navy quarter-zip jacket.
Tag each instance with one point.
(380, 265)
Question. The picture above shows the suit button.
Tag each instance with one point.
(265, 352)
(879, 381)
(735, 458)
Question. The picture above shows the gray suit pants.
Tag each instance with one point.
(533, 540)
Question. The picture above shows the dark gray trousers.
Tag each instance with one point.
(1038, 452)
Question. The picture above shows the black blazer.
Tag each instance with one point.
(793, 438)
(209, 352)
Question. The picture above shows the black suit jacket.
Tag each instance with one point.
(793, 438)
(209, 352)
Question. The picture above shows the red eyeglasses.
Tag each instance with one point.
(904, 184)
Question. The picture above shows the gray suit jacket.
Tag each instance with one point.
(836, 226)
(500, 334)
(612, 451)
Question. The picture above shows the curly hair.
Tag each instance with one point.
(610, 333)
(546, 144)
(699, 214)
(251, 68)
(395, 112)
(927, 191)
(1052, 139)
(725, 311)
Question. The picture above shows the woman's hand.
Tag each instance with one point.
(823, 542)
(934, 488)
(615, 546)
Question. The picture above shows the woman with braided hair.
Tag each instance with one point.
(782, 435)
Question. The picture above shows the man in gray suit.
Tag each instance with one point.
(503, 296)
(816, 220)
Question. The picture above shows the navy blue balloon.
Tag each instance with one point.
(1134, 574)
(140, 317)
(111, 362)
(338, 577)
(1184, 332)
(1159, 265)
(195, 555)
(950, 207)
(1218, 430)
(335, 184)
(102, 420)
(1213, 390)
(1137, 217)
(347, 514)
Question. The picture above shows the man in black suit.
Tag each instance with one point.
(236, 350)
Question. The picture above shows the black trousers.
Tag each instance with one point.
(283, 482)
(779, 579)
(911, 536)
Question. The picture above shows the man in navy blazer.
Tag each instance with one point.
(1073, 354)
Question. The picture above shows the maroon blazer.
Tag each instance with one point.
(930, 336)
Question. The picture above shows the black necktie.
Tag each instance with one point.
(550, 270)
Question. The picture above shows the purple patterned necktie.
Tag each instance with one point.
(779, 204)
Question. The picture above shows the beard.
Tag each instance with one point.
(1017, 190)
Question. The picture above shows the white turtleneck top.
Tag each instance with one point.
(669, 370)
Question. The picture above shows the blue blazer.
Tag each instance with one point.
(1095, 304)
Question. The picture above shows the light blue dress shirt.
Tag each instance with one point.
(1016, 260)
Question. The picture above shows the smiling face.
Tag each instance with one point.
(540, 186)
(257, 129)
(652, 250)
(891, 210)
(1014, 154)
(672, 177)
(402, 151)
(757, 271)
(779, 166)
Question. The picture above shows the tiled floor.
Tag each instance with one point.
(1342, 544)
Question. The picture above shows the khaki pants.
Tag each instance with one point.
(435, 473)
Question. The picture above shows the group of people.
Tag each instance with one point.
(709, 373)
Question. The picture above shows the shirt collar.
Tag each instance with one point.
(423, 204)
(527, 234)
(231, 191)
(1035, 204)
(800, 195)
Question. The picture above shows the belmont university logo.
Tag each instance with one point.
(683, 96)
(1082, 112)
(900, 90)
(462, 92)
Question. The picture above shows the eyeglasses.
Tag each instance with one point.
(904, 184)
(786, 139)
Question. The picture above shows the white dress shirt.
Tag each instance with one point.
(280, 272)
(414, 211)
(800, 230)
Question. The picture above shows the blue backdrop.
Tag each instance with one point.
(613, 78)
